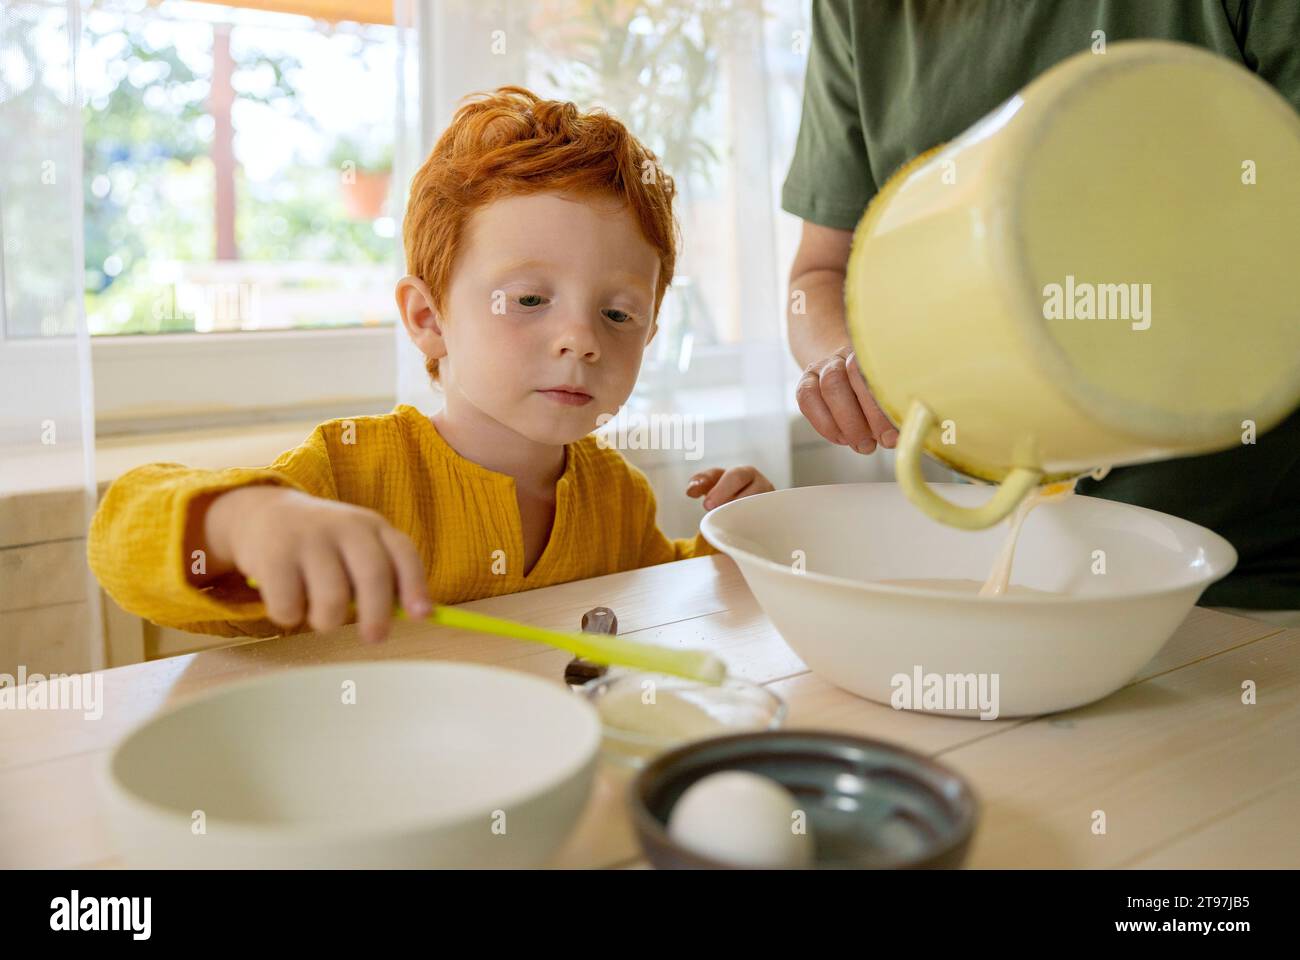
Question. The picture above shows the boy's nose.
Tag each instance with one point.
(578, 339)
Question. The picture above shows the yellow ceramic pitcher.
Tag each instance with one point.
(1104, 270)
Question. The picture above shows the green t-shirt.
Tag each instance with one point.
(888, 80)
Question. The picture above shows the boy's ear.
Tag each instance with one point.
(423, 325)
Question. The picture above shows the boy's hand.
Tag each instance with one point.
(719, 486)
(310, 555)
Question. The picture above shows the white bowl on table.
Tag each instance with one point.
(1049, 653)
(434, 764)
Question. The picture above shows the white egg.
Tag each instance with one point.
(744, 819)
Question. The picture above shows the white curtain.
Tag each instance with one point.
(689, 78)
(47, 489)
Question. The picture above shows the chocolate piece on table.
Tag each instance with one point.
(596, 620)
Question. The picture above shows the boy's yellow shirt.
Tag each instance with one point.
(462, 517)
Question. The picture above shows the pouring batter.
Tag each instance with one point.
(868, 109)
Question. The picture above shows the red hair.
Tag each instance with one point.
(513, 142)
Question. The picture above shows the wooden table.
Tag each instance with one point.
(1187, 775)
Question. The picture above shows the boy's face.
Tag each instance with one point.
(548, 313)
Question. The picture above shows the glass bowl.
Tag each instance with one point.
(645, 714)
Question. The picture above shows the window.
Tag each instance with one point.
(676, 74)
(300, 264)
(237, 166)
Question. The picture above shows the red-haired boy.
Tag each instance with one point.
(539, 242)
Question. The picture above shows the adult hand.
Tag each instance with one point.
(834, 396)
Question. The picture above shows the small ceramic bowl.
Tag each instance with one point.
(870, 805)
(399, 763)
(644, 714)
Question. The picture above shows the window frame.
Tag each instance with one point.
(152, 382)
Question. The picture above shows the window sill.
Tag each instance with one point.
(167, 383)
(719, 411)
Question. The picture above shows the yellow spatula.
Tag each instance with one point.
(603, 648)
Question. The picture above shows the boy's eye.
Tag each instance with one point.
(618, 316)
(531, 300)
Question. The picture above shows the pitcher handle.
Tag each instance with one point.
(907, 467)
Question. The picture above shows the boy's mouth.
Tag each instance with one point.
(567, 394)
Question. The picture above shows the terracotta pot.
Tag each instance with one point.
(364, 197)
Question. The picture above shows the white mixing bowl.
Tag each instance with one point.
(1047, 653)
(433, 764)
